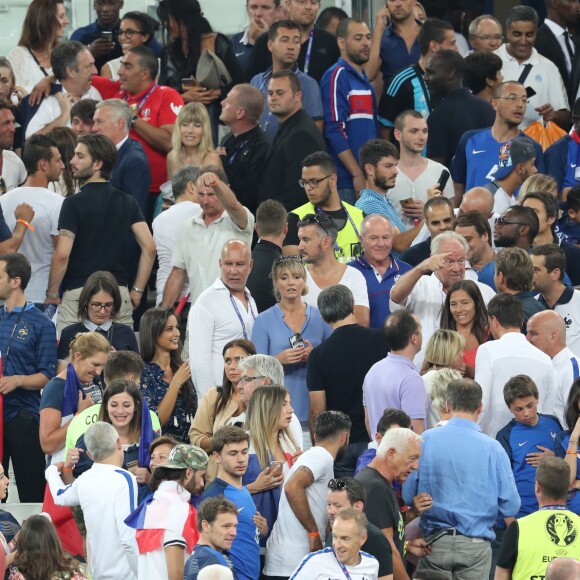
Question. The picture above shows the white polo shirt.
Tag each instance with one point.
(323, 564)
(544, 78)
(213, 321)
(13, 170)
(198, 248)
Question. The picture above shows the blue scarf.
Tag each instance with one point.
(72, 386)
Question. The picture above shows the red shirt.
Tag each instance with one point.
(158, 107)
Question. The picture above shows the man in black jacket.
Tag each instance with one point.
(297, 137)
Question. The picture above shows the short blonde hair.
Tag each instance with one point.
(439, 382)
(443, 347)
(538, 183)
(88, 344)
(293, 267)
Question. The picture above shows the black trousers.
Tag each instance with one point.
(22, 445)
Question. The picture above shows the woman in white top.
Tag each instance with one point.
(136, 29)
(43, 27)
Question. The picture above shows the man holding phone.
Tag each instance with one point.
(485, 485)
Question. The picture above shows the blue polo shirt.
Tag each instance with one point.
(379, 288)
(394, 53)
(245, 551)
(32, 350)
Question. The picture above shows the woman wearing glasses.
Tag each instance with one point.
(221, 405)
(291, 329)
(136, 29)
(99, 303)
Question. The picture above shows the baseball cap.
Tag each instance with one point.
(183, 456)
(511, 153)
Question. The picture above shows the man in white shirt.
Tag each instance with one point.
(73, 66)
(223, 312)
(12, 171)
(506, 356)
(302, 516)
(166, 225)
(349, 533)
(546, 330)
(523, 63)
(201, 239)
(418, 176)
(423, 289)
(43, 164)
(107, 494)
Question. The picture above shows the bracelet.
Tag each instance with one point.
(313, 534)
(52, 295)
(571, 452)
(25, 223)
(138, 290)
(67, 470)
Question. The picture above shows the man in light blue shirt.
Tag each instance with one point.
(469, 477)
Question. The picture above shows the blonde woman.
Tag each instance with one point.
(191, 140)
(272, 448)
(538, 183)
(439, 382)
(445, 350)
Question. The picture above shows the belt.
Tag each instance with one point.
(455, 532)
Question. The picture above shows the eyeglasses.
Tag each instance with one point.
(513, 98)
(501, 221)
(488, 36)
(128, 32)
(340, 484)
(285, 259)
(98, 306)
(250, 379)
(3, 187)
(312, 183)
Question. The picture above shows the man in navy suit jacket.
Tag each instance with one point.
(131, 173)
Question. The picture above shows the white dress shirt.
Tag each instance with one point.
(560, 34)
(496, 362)
(566, 367)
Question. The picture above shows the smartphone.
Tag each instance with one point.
(296, 341)
(406, 201)
(530, 92)
(436, 537)
(107, 34)
(188, 83)
(443, 179)
(279, 465)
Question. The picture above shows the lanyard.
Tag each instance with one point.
(142, 100)
(342, 567)
(244, 331)
(309, 51)
(12, 336)
(234, 154)
(337, 248)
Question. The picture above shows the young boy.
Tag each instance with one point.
(391, 418)
(569, 224)
(527, 438)
(81, 116)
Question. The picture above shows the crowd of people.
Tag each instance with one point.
(298, 303)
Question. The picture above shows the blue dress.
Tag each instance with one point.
(271, 335)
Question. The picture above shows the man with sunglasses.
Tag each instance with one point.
(348, 493)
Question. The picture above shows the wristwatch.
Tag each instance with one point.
(134, 120)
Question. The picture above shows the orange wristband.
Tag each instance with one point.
(313, 534)
(67, 470)
(25, 223)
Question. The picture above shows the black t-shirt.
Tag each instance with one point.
(100, 217)
(339, 217)
(508, 554)
(259, 282)
(339, 365)
(376, 545)
(382, 506)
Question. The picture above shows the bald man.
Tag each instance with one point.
(479, 199)
(563, 569)
(546, 330)
(223, 312)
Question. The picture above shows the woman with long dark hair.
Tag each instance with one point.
(66, 141)
(166, 379)
(189, 34)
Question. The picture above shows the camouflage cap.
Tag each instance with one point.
(183, 456)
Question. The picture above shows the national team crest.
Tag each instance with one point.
(505, 159)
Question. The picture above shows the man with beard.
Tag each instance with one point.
(516, 228)
(302, 517)
(231, 453)
(93, 227)
(350, 108)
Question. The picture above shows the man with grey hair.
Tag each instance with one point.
(107, 494)
(459, 461)
(485, 33)
(563, 569)
(423, 289)
(337, 368)
(166, 226)
(258, 370)
(131, 172)
(378, 266)
(224, 312)
(397, 457)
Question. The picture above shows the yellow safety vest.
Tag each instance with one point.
(543, 536)
(347, 243)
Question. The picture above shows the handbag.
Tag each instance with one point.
(211, 71)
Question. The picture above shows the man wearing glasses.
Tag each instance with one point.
(485, 33)
(476, 158)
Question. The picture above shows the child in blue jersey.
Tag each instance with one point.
(527, 438)
(567, 445)
(569, 223)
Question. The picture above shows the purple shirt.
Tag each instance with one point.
(394, 383)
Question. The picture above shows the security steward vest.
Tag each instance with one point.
(347, 244)
(543, 536)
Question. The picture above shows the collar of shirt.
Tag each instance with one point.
(565, 355)
(555, 27)
(350, 68)
(378, 196)
(122, 142)
(92, 327)
(16, 309)
(245, 37)
(135, 98)
(198, 219)
(390, 31)
(465, 423)
(393, 267)
(565, 297)
(402, 360)
(507, 57)
(219, 285)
